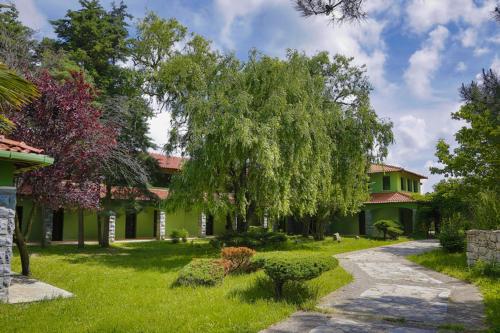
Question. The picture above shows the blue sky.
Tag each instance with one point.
(417, 52)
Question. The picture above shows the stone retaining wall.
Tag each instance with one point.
(483, 245)
(7, 211)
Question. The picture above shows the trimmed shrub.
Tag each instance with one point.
(239, 258)
(178, 235)
(452, 236)
(283, 269)
(388, 227)
(255, 238)
(201, 272)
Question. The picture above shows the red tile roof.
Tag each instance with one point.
(378, 168)
(124, 193)
(17, 146)
(168, 162)
(392, 197)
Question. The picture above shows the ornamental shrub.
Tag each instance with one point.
(201, 272)
(283, 269)
(239, 258)
(254, 238)
(178, 235)
(388, 227)
(452, 235)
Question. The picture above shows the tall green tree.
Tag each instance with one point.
(476, 159)
(96, 40)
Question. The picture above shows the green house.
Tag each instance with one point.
(143, 220)
(391, 198)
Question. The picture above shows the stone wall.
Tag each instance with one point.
(483, 245)
(7, 214)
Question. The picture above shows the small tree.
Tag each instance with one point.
(66, 125)
(388, 227)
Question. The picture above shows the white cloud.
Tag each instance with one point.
(30, 15)
(479, 51)
(494, 39)
(238, 13)
(469, 37)
(413, 132)
(495, 65)
(461, 67)
(425, 14)
(424, 63)
(363, 41)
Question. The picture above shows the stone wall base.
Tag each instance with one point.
(483, 245)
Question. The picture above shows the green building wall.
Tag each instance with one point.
(7, 169)
(179, 219)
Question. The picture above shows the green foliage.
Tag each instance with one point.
(252, 239)
(239, 259)
(482, 268)
(201, 272)
(96, 39)
(452, 234)
(487, 210)
(388, 227)
(181, 234)
(283, 269)
(475, 160)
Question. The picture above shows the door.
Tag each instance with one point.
(406, 220)
(210, 226)
(362, 222)
(130, 225)
(57, 224)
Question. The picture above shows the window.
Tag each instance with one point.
(415, 186)
(403, 184)
(409, 185)
(386, 183)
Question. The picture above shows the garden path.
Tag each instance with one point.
(392, 294)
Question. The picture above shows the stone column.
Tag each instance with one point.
(203, 225)
(7, 214)
(47, 217)
(112, 226)
(370, 230)
(160, 225)
(265, 223)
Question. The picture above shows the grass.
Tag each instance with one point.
(455, 264)
(128, 288)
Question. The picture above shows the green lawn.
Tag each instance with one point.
(127, 288)
(455, 264)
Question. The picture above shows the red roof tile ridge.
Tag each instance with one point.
(17, 146)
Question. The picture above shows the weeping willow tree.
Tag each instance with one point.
(265, 136)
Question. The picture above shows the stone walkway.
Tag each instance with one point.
(25, 290)
(392, 294)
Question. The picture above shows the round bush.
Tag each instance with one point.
(201, 272)
(452, 241)
(283, 269)
(239, 258)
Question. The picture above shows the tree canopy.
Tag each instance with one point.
(476, 158)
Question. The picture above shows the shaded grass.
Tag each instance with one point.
(126, 288)
(455, 264)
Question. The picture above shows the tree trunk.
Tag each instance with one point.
(105, 232)
(306, 226)
(319, 232)
(23, 248)
(81, 230)
(278, 289)
(229, 223)
(20, 238)
(99, 229)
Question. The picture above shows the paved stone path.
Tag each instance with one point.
(25, 290)
(391, 294)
